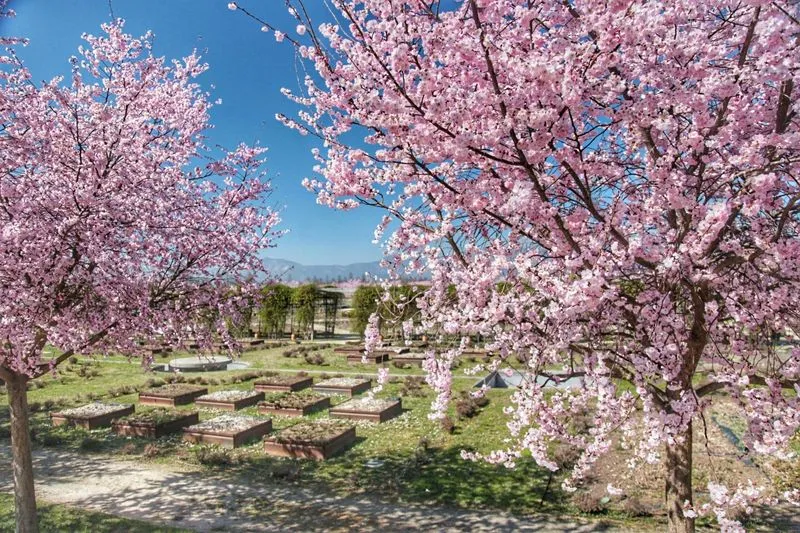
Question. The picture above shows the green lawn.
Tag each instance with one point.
(60, 518)
(410, 458)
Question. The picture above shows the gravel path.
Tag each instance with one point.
(209, 502)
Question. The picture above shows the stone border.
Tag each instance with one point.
(91, 422)
(154, 431)
(311, 451)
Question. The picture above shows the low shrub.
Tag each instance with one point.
(633, 507)
(90, 444)
(447, 425)
(413, 386)
(214, 456)
(288, 471)
(468, 406)
(591, 501)
(49, 439)
(315, 359)
(128, 449)
(151, 450)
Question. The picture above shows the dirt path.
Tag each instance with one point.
(208, 502)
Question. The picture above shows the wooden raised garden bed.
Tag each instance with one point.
(372, 358)
(369, 409)
(283, 383)
(409, 358)
(228, 431)
(346, 386)
(154, 423)
(293, 404)
(319, 440)
(91, 416)
(348, 349)
(230, 400)
(171, 395)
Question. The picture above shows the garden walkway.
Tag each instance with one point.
(213, 502)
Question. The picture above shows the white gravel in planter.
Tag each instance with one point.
(370, 405)
(93, 409)
(341, 382)
(227, 424)
(227, 396)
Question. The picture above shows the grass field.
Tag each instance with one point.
(410, 458)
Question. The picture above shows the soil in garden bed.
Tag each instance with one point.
(172, 394)
(283, 383)
(409, 358)
(154, 423)
(373, 358)
(92, 416)
(370, 409)
(294, 404)
(231, 400)
(347, 386)
(319, 440)
(229, 431)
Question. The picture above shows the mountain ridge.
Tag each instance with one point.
(285, 270)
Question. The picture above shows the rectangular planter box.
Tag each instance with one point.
(228, 439)
(373, 358)
(302, 382)
(322, 403)
(153, 398)
(231, 405)
(152, 431)
(347, 390)
(91, 422)
(408, 359)
(388, 413)
(311, 451)
(348, 349)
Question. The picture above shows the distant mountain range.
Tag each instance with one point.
(285, 270)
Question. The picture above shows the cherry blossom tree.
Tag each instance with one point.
(118, 223)
(629, 172)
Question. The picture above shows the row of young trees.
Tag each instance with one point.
(267, 313)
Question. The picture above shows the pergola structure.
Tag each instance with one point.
(302, 314)
(326, 306)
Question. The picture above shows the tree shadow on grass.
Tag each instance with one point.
(60, 518)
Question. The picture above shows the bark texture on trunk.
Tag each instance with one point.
(22, 463)
(679, 483)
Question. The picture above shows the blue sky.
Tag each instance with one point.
(248, 69)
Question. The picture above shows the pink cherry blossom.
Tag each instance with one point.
(607, 191)
(119, 226)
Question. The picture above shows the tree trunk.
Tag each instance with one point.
(679, 483)
(24, 495)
